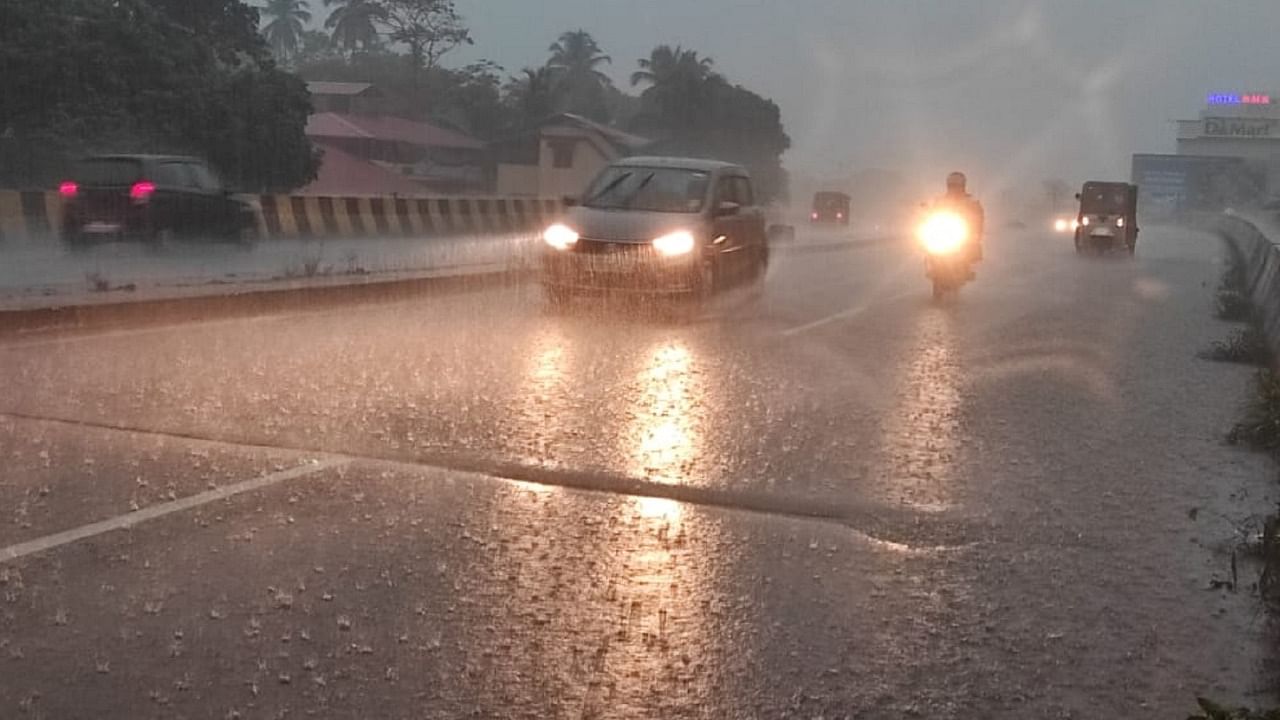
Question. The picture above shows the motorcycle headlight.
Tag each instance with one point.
(560, 237)
(943, 233)
(676, 243)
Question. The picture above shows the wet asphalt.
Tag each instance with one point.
(826, 496)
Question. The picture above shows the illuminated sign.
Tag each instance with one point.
(1235, 99)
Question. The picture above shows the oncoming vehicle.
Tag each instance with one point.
(1108, 218)
(946, 237)
(662, 226)
(151, 198)
(830, 207)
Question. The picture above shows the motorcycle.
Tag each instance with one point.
(945, 237)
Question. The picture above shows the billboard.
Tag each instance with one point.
(1174, 184)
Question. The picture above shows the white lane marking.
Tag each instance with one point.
(854, 311)
(48, 542)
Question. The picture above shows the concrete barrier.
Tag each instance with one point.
(32, 216)
(1250, 242)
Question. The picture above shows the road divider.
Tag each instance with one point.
(31, 216)
(1251, 242)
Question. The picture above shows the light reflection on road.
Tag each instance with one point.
(665, 435)
(920, 439)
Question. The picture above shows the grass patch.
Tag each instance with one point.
(1233, 306)
(1247, 346)
(1210, 710)
(1260, 428)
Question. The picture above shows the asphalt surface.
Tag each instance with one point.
(826, 496)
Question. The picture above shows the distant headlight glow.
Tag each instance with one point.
(560, 237)
(676, 243)
(943, 233)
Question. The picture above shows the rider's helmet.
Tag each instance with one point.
(956, 182)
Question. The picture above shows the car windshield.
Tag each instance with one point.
(830, 201)
(668, 190)
(108, 171)
(1104, 199)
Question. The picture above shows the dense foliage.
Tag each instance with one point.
(80, 76)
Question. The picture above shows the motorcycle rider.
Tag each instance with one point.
(958, 200)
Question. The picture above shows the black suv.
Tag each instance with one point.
(151, 198)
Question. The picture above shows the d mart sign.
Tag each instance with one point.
(1251, 128)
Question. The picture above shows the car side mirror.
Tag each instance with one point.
(727, 208)
(569, 201)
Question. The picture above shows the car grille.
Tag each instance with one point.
(592, 246)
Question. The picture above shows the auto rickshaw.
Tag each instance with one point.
(830, 207)
(1108, 218)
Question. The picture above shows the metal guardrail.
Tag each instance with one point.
(35, 215)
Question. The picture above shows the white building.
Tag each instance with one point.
(1245, 126)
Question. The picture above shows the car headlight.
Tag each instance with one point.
(560, 237)
(1084, 220)
(943, 233)
(1120, 222)
(676, 243)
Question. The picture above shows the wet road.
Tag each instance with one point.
(825, 497)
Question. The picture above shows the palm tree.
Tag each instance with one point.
(678, 81)
(575, 61)
(284, 29)
(352, 23)
(533, 94)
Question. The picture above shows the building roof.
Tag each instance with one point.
(324, 87)
(385, 127)
(342, 173)
(624, 140)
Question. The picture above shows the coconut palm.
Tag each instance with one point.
(576, 59)
(285, 22)
(532, 94)
(353, 23)
(678, 81)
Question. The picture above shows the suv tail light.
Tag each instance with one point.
(141, 191)
(68, 189)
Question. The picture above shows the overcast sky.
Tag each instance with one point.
(1012, 91)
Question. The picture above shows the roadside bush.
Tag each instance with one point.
(1260, 428)
(1247, 346)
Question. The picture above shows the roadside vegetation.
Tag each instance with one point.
(1259, 430)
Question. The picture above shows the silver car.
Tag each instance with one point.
(658, 225)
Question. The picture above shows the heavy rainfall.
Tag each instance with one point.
(591, 359)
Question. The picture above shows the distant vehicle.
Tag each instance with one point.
(830, 207)
(661, 226)
(947, 237)
(1108, 217)
(151, 198)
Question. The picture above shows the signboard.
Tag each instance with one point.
(1241, 127)
(1170, 184)
(1239, 99)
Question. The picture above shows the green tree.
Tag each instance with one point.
(531, 95)
(691, 110)
(354, 23)
(679, 82)
(429, 28)
(575, 62)
(285, 22)
(199, 81)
